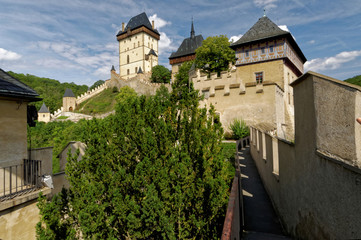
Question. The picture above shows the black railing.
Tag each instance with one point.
(20, 179)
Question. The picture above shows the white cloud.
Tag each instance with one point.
(102, 71)
(235, 38)
(311, 41)
(8, 55)
(165, 43)
(331, 63)
(267, 4)
(158, 22)
(284, 28)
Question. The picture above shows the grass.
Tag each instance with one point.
(101, 103)
(62, 117)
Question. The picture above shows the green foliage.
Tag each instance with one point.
(103, 102)
(239, 129)
(354, 80)
(125, 93)
(154, 170)
(160, 74)
(63, 117)
(56, 134)
(214, 55)
(97, 84)
(50, 90)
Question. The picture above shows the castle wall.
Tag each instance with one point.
(13, 137)
(312, 183)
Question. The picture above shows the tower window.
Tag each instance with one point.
(138, 43)
(259, 77)
(247, 53)
(136, 69)
(128, 59)
(128, 71)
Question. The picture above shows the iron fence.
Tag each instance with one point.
(20, 179)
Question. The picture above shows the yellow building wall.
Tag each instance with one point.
(13, 132)
(69, 104)
(273, 71)
(136, 47)
(44, 117)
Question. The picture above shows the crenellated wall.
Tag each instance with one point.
(90, 94)
(315, 182)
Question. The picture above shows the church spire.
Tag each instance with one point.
(192, 30)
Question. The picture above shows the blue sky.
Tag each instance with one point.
(74, 40)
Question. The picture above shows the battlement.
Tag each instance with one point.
(91, 93)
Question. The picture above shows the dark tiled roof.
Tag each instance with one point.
(68, 93)
(188, 46)
(138, 21)
(264, 29)
(152, 52)
(140, 70)
(43, 109)
(11, 87)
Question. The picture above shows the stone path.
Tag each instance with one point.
(261, 221)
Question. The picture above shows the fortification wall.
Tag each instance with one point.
(234, 99)
(90, 94)
(139, 83)
(315, 183)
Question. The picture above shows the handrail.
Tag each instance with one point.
(20, 179)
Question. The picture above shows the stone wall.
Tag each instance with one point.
(315, 182)
(90, 94)
(45, 155)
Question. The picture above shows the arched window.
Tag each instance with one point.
(136, 69)
(127, 58)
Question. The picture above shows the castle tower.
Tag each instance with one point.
(186, 51)
(44, 114)
(138, 46)
(69, 102)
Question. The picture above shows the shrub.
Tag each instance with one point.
(239, 129)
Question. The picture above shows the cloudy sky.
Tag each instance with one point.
(74, 40)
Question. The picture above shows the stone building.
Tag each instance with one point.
(257, 88)
(69, 101)
(186, 51)
(44, 114)
(138, 46)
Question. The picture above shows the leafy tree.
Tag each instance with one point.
(97, 84)
(154, 170)
(214, 55)
(354, 80)
(160, 74)
(239, 129)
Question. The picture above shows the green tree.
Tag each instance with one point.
(160, 74)
(154, 170)
(97, 84)
(214, 55)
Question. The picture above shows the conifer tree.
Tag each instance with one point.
(154, 170)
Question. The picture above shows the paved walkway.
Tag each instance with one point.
(261, 221)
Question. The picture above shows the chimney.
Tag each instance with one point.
(153, 24)
(122, 27)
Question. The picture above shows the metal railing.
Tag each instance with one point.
(20, 179)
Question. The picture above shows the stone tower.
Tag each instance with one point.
(44, 114)
(69, 102)
(138, 46)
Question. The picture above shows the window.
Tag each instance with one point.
(138, 43)
(271, 49)
(128, 71)
(262, 50)
(136, 69)
(43, 115)
(128, 59)
(259, 77)
(247, 53)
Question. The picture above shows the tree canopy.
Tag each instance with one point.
(160, 74)
(97, 84)
(154, 170)
(214, 55)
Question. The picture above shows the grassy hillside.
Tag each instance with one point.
(101, 103)
(354, 80)
(50, 90)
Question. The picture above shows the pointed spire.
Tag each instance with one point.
(192, 30)
(140, 70)
(113, 69)
(264, 12)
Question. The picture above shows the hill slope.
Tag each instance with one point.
(101, 103)
(50, 90)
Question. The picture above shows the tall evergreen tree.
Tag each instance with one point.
(154, 170)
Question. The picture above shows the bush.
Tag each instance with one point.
(239, 129)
